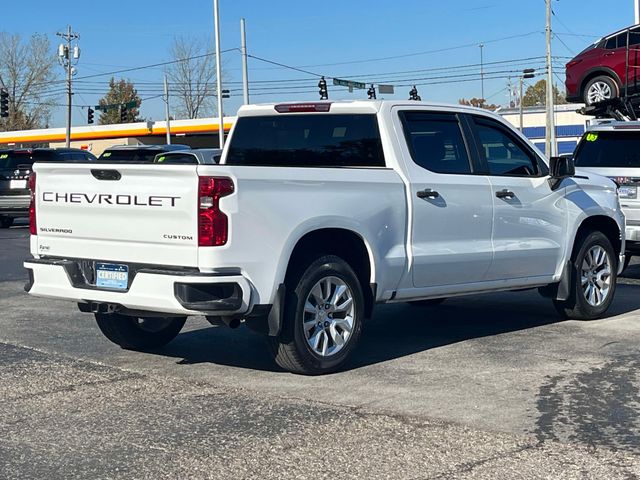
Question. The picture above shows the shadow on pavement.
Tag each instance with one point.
(395, 331)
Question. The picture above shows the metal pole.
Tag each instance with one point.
(551, 146)
(521, 104)
(636, 3)
(482, 71)
(69, 94)
(216, 21)
(166, 110)
(245, 67)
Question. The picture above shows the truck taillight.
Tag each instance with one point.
(213, 224)
(32, 204)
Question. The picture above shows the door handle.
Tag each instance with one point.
(428, 193)
(507, 194)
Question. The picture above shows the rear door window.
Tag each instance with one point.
(314, 140)
(435, 141)
(128, 156)
(609, 149)
(176, 159)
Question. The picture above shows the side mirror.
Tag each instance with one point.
(559, 169)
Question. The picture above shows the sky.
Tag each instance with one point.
(398, 42)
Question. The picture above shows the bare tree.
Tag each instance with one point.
(27, 70)
(192, 77)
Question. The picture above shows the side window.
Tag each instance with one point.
(435, 141)
(503, 152)
(634, 38)
(619, 41)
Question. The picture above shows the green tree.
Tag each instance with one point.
(478, 103)
(536, 95)
(120, 92)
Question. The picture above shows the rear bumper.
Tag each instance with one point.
(14, 205)
(162, 291)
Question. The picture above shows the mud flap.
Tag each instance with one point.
(561, 290)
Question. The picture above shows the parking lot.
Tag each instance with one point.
(480, 387)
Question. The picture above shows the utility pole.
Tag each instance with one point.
(216, 23)
(482, 71)
(245, 67)
(166, 110)
(551, 146)
(68, 59)
(636, 3)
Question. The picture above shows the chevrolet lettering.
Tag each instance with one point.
(110, 199)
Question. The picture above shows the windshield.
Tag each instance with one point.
(128, 156)
(609, 149)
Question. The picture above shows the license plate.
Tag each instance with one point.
(109, 275)
(628, 192)
(15, 184)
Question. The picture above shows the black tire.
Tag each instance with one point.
(613, 85)
(577, 307)
(6, 222)
(133, 333)
(434, 302)
(291, 349)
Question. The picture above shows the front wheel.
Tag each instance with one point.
(322, 322)
(139, 333)
(594, 279)
(600, 89)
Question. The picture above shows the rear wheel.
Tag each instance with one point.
(600, 89)
(594, 284)
(323, 315)
(139, 333)
(6, 222)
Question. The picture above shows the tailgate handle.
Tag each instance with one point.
(113, 175)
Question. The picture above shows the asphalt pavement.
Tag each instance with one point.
(488, 386)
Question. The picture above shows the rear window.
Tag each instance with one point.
(315, 140)
(609, 149)
(128, 156)
(176, 159)
(10, 160)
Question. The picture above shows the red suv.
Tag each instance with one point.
(600, 72)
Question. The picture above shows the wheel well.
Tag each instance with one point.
(340, 242)
(598, 73)
(606, 225)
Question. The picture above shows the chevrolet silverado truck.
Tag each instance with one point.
(316, 213)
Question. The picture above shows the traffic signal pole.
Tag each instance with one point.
(166, 110)
(245, 68)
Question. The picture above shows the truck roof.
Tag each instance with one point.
(612, 125)
(353, 106)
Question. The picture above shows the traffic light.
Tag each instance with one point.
(413, 94)
(372, 92)
(529, 73)
(90, 116)
(324, 92)
(226, 94)
(4, 103)
(123, 114)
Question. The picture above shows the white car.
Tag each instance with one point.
(316, 213)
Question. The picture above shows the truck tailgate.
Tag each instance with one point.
(129, 213)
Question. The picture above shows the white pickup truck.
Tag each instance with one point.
(317, 212)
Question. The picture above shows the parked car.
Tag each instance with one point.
(137, 153)
(600, 72)
(201, 156)
(612, 149)
(15, 168)
(316, 213)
